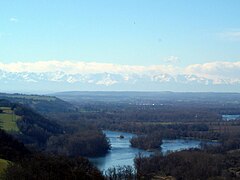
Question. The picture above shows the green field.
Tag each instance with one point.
(8, 120)
(3, 165)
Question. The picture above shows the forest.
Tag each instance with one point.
(39, 133)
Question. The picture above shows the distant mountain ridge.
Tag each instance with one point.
(140, 97)
(62, 81)
(40, 103)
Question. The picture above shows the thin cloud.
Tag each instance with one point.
(228, 71)
(72, 67)
(13, 19)
(233, 35)
(172, 60)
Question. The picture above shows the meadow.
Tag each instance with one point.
(8, 120)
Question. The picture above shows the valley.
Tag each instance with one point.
(153, 126)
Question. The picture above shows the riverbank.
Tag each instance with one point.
(122, 153)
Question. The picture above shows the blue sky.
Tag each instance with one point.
(133, 32)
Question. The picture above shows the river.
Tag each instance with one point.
(123, 154)
(230, 117)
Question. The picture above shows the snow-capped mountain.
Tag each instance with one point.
(59, 81)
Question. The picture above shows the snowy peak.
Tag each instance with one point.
(111, 81)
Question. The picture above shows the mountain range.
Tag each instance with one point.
(62, 81)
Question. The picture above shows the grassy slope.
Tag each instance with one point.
(3, 165)
(8, 120)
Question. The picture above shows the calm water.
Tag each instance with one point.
(123, 154)
(228, 117)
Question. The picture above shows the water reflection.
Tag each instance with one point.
(120, 154)
(229, 117)
(123, 154)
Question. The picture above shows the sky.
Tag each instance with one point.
(146, 33)
(142, 32)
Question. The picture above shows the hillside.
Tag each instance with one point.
(39, 103)
(10, 148)
(27, 126)
(17, 162)
(54, 136)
